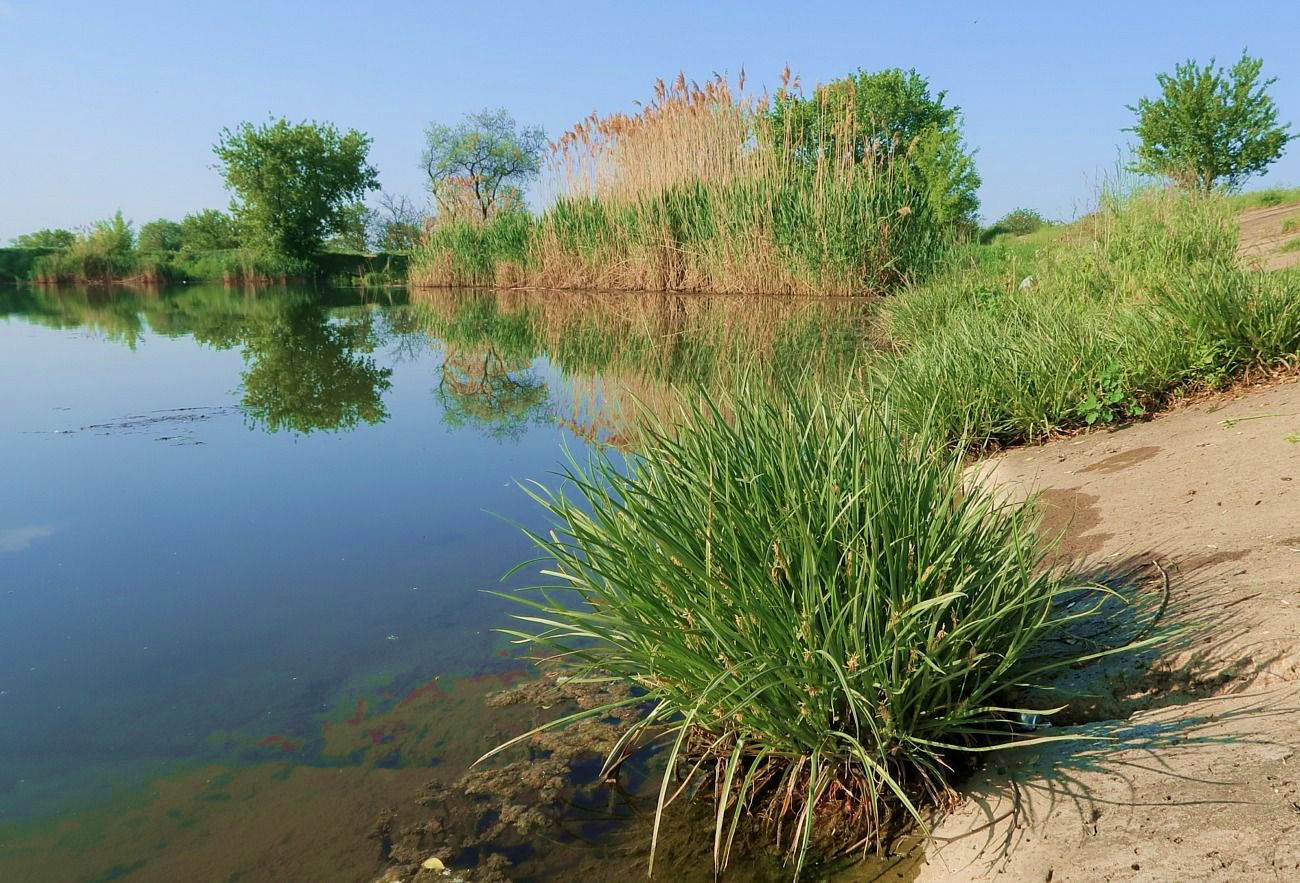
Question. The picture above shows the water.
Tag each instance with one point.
(243, 543)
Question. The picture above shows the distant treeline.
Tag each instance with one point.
(205, 246)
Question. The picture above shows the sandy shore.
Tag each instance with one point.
(1198, 777)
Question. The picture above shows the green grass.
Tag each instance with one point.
(1264, 198)
(1293, 245)
(823, 616)
(466, 254)
(844, 236)
(86, 263)
(1141, 302)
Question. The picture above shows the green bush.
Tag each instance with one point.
(468, 253)
(47, 239)
(1018, 222)
(104, 253)
(18, 264)
(813, 602)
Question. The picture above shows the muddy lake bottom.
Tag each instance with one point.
(244, 538)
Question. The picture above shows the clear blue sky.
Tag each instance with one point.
(111, 105)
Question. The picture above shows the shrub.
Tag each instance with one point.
(19, 264)
(208, 230)
(886, 115)
(1017, 222)
(160, 236)
(103, 253)
(57, 238)
(820, 612)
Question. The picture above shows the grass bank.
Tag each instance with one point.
(1141, 302)
(822, 616)
(703, 191)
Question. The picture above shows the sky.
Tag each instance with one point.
(111, 106)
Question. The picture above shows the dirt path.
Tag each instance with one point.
(1200, 777)
(1262, 237)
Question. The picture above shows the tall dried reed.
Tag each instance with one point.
(700, 190)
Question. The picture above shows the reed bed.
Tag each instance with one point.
(700, 191)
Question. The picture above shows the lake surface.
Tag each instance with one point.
(244, 538)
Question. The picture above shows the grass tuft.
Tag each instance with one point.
(822, 614)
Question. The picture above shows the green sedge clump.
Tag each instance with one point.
(820, 611)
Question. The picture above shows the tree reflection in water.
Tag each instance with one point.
(499, 396)
(305, 373)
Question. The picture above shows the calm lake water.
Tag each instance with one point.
(244, 538)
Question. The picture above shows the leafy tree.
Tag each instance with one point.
(1017, 222)
(353, 233)
(889, 115)
(294, 184)
(160, 235)
(1210, 126)
(484, 161)
(208, 230)
(57, 238)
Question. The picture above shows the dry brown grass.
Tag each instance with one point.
(698, 191)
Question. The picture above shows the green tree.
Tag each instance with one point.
(294, 183)
(1017, 222)
(888, 116)
(1209, 126)
(484, 162)
(353, 232)
(208, 230)
(57, 238)
(160, 235)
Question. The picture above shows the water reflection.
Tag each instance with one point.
(306, 373)
(207, 644)
(310, 366)
(499, 395)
